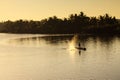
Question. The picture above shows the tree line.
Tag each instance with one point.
(75, 23)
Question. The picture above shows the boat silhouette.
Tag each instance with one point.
(80, 48)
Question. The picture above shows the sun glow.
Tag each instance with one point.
(72, 44)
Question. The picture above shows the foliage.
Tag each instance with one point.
(75, 23)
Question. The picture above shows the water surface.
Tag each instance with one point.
(54, 57)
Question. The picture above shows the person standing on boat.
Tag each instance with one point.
(79, 45)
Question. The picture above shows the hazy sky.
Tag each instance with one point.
(40, 9)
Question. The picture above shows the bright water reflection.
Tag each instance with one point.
(46, 57)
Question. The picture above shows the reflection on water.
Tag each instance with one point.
(37, 41)
(56, 57)
(68, 43)
(75, 45)
(72, 44)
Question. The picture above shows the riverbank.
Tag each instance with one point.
(74, 24)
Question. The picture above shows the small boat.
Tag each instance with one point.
(80, 48)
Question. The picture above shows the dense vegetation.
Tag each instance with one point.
(76, 23)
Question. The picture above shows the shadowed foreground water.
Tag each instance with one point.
(54, 57)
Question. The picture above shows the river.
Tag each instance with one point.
(55, 57)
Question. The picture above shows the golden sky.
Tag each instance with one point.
(40, 9)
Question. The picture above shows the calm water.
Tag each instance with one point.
(54, 57)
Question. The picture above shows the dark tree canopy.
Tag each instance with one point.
(75, 23)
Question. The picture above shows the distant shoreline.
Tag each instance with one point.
(74, 24)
